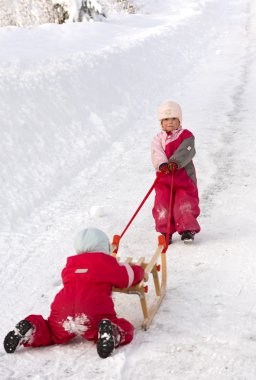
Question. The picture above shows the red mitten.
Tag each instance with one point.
(164, 168)
(172, 166)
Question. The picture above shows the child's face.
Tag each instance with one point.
(170, 124)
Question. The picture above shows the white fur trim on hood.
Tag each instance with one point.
(92, 240)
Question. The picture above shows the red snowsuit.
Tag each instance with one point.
(177, 147)
(85, 299)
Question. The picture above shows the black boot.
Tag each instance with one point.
(188, 236)
(19, 335)
(108, 338)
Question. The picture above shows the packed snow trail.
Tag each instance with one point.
(205, 327)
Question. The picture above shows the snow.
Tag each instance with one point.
(78, 113)
(76, 325)
(97, 211)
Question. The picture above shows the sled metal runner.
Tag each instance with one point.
(141, 289)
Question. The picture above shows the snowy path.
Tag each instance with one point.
(205, 328)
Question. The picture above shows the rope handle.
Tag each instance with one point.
(141, 204)
(117, 238)
(168, 229)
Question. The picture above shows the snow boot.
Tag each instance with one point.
(108, 338)
(188, 236)
(21, 334)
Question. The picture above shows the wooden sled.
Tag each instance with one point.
(140, 289)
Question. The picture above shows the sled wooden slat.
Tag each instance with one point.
(140, 289)
(140, 261)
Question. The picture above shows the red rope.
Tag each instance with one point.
(142, 203)
(168, 229)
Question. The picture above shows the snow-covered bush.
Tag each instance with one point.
(33, 12)
(25, 12)
(120, 6)
(60, 13)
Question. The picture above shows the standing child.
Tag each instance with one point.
(172, 151)
(84, 305)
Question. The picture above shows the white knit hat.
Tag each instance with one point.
(92, 240)
(169, 110)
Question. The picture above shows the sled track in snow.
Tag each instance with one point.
(232, 129)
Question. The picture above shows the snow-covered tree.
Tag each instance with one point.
(81, 10)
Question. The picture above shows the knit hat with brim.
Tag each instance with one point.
(92, 240)
(169, 110)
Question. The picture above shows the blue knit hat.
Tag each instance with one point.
(92, 240)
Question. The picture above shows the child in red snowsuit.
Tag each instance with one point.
(84, 305)
(172, 151)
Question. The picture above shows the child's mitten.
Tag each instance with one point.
(164, 168)
(172, 166)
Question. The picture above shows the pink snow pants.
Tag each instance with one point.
(48, 332)
(185, 204)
